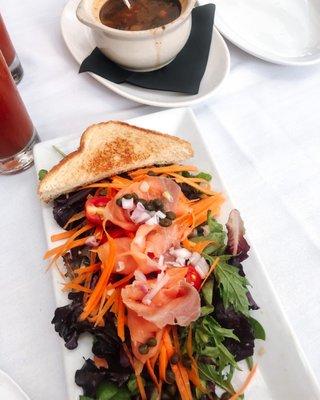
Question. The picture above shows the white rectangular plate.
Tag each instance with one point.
(283, 371)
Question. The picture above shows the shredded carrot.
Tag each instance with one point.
(245, 384)
(155, 358)
(212, 268)
(62, 235)
(74, 218)
(60, 249)
(121, 180)
(104, 309)
(121, 318)
(108, 265)
(100, 362)
(196, 246)
(176, 339)
(167, 342)
(57, 251)
(87, 270)
(194, 376)
(188, 181)
(105, 185)
(206, 203)
(121, 282)
(182, 381)
(77, 287)
(165, 169)
(140, 383)
(163, 362)
(152, 374)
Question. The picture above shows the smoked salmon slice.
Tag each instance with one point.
(176, 303)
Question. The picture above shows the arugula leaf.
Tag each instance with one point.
(209, 373)
(206, 310)
(42, 173)
(110, 391)
(207, 292)
(249, 361)
(216, 235)
(258, 331)
(233, 287)
(209, 337)
(204, 175)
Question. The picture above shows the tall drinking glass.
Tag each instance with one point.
(9, 53)
(17, 133)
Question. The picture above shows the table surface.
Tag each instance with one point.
(262, 129)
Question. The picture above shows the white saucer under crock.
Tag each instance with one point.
(80, 43)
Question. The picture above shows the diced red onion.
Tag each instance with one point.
(120, 266)
(139, 275)
(92, 241)
(155, 290)
(160, 214)
(182, 253)
(139, 216)
(202, 267)
(195, 258)
(153, 220)
(161, 261)
(127, 204)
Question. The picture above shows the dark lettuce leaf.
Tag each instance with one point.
(237, 245)
(242, 328)
(66, 323)
(67, 205)
(89, 377)
(106, 344)
(190, 192)
(235, 262)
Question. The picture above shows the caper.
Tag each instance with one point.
(143, 348)
(86, 261)
(170, 378)
(149, 206)
(128, 196)
(151, 173)
(171, 215)
(119, 202)
(152, 342)
(157, 204)
(186, 361)
(175, 358)
(165, 222)
(225, 396)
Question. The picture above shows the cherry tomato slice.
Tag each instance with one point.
(193, 277)
(94, 209)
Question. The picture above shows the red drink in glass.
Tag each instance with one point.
(17, 134)
(9, 53)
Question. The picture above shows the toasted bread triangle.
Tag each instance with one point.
(111, 148)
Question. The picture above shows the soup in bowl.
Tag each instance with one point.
(145, 37)
(142, 14)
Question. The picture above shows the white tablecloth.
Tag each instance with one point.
(264, 132)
